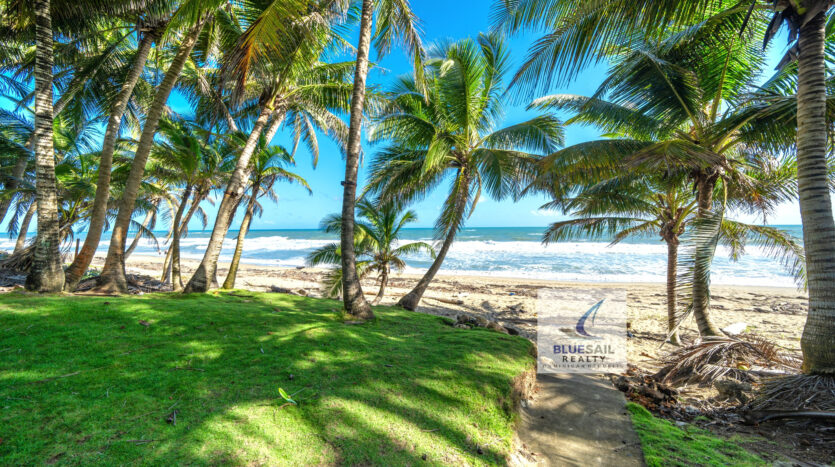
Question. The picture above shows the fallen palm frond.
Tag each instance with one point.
(712, 358)
(20, 261)
(797, 392)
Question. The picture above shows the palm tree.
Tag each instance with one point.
(379, 227)
(627, 206)
(807, 21)
(450, 132)
(47, 273)
(664, 99)
(583, 32)
(394, 20)
(182, 156)
(267, 168)
(290, 80)
(149, 31)
(193, 20)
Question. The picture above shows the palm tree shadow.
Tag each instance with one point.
(373, 393)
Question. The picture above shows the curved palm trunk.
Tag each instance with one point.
(195, 204)
(411, 300)
(352, 295)
(46, 273)
(24, 227)
(229, 283)
(145, 223)
(384, 280)
(701, 288)
(99, 211)
(815, 202)
(176, 279)
(166, 264)
(113, 278)
(672, 271)
(205, 274)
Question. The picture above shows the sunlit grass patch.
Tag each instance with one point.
(666, 445)
(100, 380)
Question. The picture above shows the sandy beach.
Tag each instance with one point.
(774, 313)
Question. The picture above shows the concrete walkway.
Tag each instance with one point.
(577, 419)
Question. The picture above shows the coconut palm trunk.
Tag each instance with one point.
(672, 271)
(705, 185)
(352, 295)
(815, 202)
(176, 278)
(195, 204)
(411, 300)
(204, 276)
(99, 211)
(46, 273)
(384, 280)
(113, 274)
(229, 283)
(24, 227)
(145, 223)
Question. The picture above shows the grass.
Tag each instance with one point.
(667, 445)
(88, 380)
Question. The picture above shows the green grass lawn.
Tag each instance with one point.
(666, 445)
(83, 381)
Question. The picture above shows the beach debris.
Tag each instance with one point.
(735, 329)
(712, 358)
(646, 390)
(756, 417)
(448, 301)
(731, 390)
(472, 321)
(284, 290)
(494, 326)
(465, 321)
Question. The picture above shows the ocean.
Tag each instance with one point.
(498, 251)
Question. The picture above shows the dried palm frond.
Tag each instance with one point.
(797, 392)
(20, 261)
(712, 358)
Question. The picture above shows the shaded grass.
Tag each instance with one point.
(665, 444)
(83, 382)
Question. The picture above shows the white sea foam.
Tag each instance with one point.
(564, 261)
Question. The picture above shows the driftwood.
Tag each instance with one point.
(284, 290)
(447, 301)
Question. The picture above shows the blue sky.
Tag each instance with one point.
(441, 19)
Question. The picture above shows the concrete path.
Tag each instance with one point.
(577, 419)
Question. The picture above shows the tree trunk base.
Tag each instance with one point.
(111, 283)
(674, 339)
(47, 280)
(359, 308)
(409, 301)
(199, 282)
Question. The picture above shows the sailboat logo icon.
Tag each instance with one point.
(580, 329)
